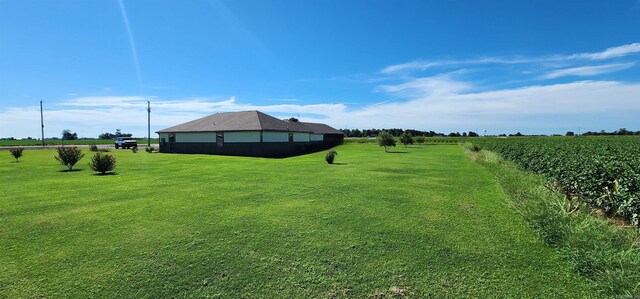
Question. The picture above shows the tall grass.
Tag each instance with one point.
(605, 253)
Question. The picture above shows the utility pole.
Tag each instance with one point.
(42, 123)
(148, 123)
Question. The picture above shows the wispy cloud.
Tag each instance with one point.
(588, 70)
(610, 52)
(421, 65)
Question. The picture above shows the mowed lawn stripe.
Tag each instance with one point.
(423, 221)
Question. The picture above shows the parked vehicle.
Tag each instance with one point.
(125, 142)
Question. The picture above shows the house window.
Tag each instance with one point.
(290, 137)
(219, 140)
(172, 137)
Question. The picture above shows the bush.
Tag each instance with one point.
(150, 149)
(420, 139)
(69, 156)
(94, 148)
(102, 163)
(16, 153)
(330, 156)
(134, 149)
(386, 140)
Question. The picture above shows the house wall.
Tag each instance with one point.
(316, 137)
(275, 136)
(196, 137)
(276, 144)
(253, 136)
(300, 137)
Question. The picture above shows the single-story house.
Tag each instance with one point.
(248, 133)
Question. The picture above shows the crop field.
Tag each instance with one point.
(601, 171)
(422, 221)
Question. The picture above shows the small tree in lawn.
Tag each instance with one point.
(420, 139)
(102, 163)
(386, 140)
(16, 153)
(69, 156)
(406, 138)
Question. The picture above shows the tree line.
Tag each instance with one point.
(399, 132)
(621, 131)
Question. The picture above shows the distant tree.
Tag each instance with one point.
(420, 139)
(68, 135)
(293, 119)
(118, 133)
(570, 133)
(385, 139)
(406, 138)
(473, 134)
(464, 134)
(69, 156)
(106, 136)
(16, 153)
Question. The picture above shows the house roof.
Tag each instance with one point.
(237, 121)
(318, 128)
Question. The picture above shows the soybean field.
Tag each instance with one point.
(603, 172)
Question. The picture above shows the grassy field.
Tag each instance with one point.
(423, 221)
(33, 142)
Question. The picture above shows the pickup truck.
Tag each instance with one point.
(125, 142)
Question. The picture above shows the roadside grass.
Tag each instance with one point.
(600, 250)
(428, 223)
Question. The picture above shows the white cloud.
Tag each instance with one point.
(588, 70)
(90, 116)
(438, 103)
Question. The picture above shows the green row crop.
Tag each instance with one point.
(601, 171)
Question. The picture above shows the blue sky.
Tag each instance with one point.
(538, 67)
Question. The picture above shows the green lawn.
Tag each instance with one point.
(420, 223)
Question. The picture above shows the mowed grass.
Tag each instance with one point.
(423, 222)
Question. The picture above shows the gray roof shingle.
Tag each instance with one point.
(318, 128)
(237, 121)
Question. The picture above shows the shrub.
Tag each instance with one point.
(420, 139)
(406, 139)
(473, 147)
(330, 156)
(386, 140)
(150, 149)
(134, 149)
(16, 153)
(69, 156)
(102, 163)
